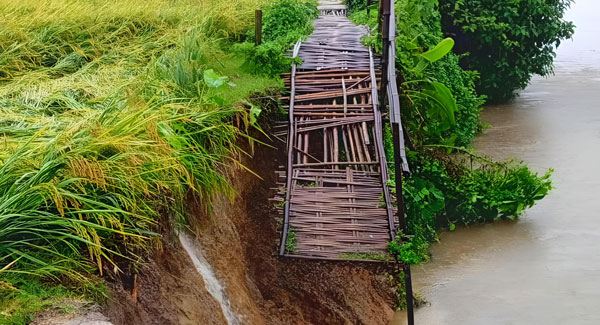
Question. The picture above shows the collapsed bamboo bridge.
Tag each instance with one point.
(337, 203)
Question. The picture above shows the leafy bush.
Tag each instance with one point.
(441, 193)
(284, 23)
(436, 198)
(289, 20)
(508, 191)
(357, 5)
(419, 30)
(507, 41)
(268, 59)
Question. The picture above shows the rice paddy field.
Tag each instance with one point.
(111, 112)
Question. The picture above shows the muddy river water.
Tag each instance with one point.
(544, 268)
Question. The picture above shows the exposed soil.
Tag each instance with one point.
(70, 311)
(240, 240)
(169, 291)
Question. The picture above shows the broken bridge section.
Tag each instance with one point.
(337, 202)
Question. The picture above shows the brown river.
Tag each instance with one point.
(544, 268)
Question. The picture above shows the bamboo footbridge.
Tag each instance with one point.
(337, 202)
(338, 205)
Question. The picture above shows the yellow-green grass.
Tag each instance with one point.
(107, 122)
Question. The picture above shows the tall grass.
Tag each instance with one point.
(106, 122)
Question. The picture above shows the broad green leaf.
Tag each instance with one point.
(442, 100)
(213, 80)
(421, 65)
(218, 100)
(440, 50)
(254, 113)
(410, 45)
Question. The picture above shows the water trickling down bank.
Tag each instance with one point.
(211, 283)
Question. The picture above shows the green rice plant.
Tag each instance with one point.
(96, 185)
(60, 37)
(44, 223)
(111, 115)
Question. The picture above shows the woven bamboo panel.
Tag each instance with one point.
(335, 42)
(336, 198)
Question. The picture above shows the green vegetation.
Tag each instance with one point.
(370, 256)
(358, 5)
(419, 30)
(110, 117)
(506, 41)
(284, 23)
(19, 306)
(290, 241)
(441, 114)
(440, 194)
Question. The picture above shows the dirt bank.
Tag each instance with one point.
(240, 242)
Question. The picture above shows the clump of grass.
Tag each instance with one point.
(19, 306)
(291, 242)
(373, 256)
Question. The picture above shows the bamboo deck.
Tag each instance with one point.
(336, 199)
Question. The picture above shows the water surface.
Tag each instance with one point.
(544, 268)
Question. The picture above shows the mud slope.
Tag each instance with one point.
(240, 242)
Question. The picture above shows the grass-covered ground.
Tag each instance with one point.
(111, 113)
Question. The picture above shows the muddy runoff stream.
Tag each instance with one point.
(544, 268)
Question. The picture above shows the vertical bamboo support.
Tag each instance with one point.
(387, 17)
(258, 27)
(290, 151)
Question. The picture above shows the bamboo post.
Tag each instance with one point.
(258, 27)
(384, 19)
(290, 152)
(385, 11)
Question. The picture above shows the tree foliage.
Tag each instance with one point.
(507, 40)
(425, 64)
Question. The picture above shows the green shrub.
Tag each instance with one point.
(357, 5)
(507, 41)
(284, 23)
(267, 59)
(289, 20)
(508, 191)
(436, 198)
(419, 30)
(440, 193)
